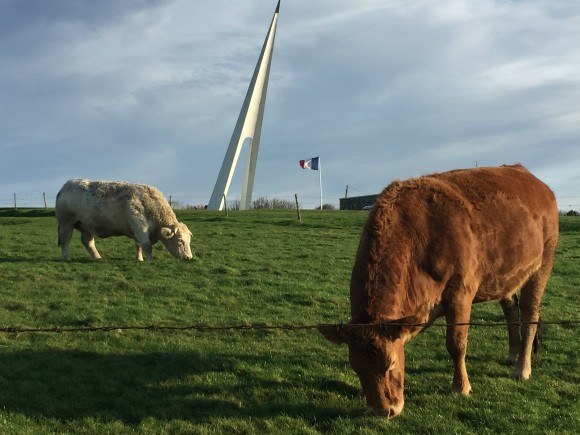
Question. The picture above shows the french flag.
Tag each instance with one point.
(309, 164)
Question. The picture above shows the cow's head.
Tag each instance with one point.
(377, 356)
(177, 239)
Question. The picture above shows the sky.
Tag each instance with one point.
(149, 91)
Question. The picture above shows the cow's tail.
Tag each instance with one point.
(59, 241)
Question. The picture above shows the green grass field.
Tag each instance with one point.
(250, 268)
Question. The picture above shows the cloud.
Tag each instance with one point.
(150, 91)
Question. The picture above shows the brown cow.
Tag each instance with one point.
(433, 246)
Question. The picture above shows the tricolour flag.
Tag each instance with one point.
(310, 163)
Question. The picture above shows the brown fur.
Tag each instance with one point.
(436, 244)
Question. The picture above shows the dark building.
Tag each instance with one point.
(357, 202)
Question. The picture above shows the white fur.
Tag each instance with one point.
(112, 208)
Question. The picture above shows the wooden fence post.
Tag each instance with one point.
(44, 198)
(297, 207)
(226, 206)
(170, 202)
(15, 202)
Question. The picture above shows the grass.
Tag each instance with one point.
(253, 267)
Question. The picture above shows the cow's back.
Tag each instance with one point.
(502, 203)
(109, 208)
(505, 188)
(100, 207)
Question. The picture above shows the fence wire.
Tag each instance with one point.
(265, 327)
(42, 200)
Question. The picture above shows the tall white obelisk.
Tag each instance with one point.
(249, 126)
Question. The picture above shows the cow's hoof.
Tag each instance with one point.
(464, 390)
(511, 359)
(521, 376)
(522, 371)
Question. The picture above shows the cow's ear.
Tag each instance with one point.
(167, 233)
(185, 229)
(337, 334)
(393, 328)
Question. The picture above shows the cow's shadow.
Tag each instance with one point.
(73, 385)
(45, 260)
(29, 260)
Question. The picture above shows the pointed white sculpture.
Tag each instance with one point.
(249, 126)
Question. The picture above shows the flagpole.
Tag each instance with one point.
(320, 181)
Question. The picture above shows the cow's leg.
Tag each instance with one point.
(141, 237)
(64, 236)
(530, 298)
(511, 311)
(148, 249)
(142, 240)
(139, 251)
(89, 242)
(458, 311)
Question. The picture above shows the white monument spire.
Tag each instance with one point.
(249, 126)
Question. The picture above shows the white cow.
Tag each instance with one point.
(115, 208)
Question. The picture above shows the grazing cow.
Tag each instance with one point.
(433, 246)
(114, 208)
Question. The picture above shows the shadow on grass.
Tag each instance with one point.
(29, 260)
(55, 260)
(34, 212)
(72, 385)
(86, 259)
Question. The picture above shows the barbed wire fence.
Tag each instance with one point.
(184, 202)
(260, 202)
(264, 327)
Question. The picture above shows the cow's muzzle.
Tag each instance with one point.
(390, 412)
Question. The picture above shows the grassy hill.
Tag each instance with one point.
(250, 268)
